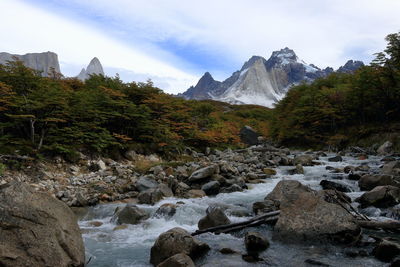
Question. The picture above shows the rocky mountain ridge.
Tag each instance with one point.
(47, 62)
(262, 82)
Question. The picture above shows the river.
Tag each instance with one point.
(131, 246)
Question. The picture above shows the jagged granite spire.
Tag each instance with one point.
(94, 67)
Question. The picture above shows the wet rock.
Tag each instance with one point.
(181, 189)
(203, 173)
(130, 214)
(120, 227)
(96, 223)
(335, 159)
(175, 241)
(211, 188)
(255, 242)
(214, 217)
(306, 216)
(380, 197)
(391, 168)
(37, 229)
(231, 189)
(195, 193)
(150, 196)
(269, 171)
(146, 182)
(385, 149)
(334, 185)
(349, 169)
(178, 260)
(228, 251)
(316, 262)
(354, 176)
(328, 194)
(298, 170)
(248, 136)
(166, 210)
(386, 250)
(265, 206)
(304, 160)
(368, 182)
(251, 258)
(165, 190)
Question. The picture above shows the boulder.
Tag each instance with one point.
(214, 217)
(370, 181)
(285, 189)
(391, 168)
(211, 188)
(386, 250)
(385, 149)
(130, 214)
(203, 173)
(298, 170)
(269, 171)
(306, 216)
(354, 176)
(304, 160)
(380, 197)
(166, 210)
(334, 186)
(178, 260)
(195, 193)
(255, 242)
(37, 229)
(150, 196)
(175, 241)
(146, 182)
(165, 190)
(231, 189)
(335, 159)
(248, 136)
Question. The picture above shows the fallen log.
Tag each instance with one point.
(376, 225)
(256, 223)
(240, 225)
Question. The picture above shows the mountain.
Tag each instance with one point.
(43, 62)
(350, 66)
(94, 67)
(260, 81)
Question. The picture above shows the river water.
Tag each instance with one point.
(131, 246)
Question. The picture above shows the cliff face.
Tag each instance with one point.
(260, 81)
(43, 62)
(94, 67)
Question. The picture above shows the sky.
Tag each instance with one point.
(173, 42)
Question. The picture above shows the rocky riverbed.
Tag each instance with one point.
(312, 229)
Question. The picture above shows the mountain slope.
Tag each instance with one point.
(260, 81)
(94, 67)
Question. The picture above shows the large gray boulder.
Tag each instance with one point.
(203, 173)
(175, 241)
(150, 196)
(307, 216)
(37, 229)
(130, 214)
(255, 242)
(370, 181)
(248, 136)
(146, 182)
(381, 197)
(211, 188)
(304, 160)
(214, 217)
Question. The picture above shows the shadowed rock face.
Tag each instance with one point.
(37, 230)
(43, 62)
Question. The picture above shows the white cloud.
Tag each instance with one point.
(326, 33)
(28, 29)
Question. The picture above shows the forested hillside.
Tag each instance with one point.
(57, 116)
(342, 108)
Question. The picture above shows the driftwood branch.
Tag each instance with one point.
(15, 157)
(376, 225)
(265, 218)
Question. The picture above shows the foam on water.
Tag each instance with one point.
(131, 246)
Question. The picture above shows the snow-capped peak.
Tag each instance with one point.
(285, 56)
